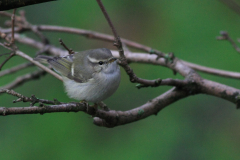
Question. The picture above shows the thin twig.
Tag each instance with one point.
(213, 71)
(13, 19)
(117, 39)
(225, 36)
(163, 82)
(3, 54)
(7, 59)
(11, 44)
(232, 5)
(117, 42)
(114, 118)
(22, 23)
(40, 35)
(19, 53)
(25, 56)
(15, 69)
(133, 57)
(55, 107)
(35, 30)
(32, 99)
(123, 61)
(39, 45)
(70, 51)
(88, 34)
(7, 14)
(23, 79)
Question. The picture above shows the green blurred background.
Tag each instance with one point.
(198, 127)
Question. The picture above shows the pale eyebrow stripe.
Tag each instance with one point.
(93, 60)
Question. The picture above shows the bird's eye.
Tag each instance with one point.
(100, 62)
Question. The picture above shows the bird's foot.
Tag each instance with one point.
(103, 106)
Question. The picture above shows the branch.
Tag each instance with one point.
(93, 35)
(111, 118)
(23, 79)
(13, 20)
(19, 53)
(193, 84)
(117, 38)
(220, 90)
(123, 61)
(116, 118)
(11, 43)
(15, 69)
(87, 34)
(70, 51)
(232, 5)
(132, 57)
(11, 4)
(55, 107)
(213, 71)
(32, 99)
(7, 59)
(69, 107)
(225, 36)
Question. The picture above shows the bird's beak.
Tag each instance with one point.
(112, 60)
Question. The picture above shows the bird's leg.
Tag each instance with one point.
(85, 102)
(103, 106)
(95, 106)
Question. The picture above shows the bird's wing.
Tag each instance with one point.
(65, 66)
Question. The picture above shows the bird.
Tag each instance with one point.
(91, 75)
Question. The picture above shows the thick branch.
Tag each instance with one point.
(111, 118)
(69, 107)
(220, 90)
(116, 118)
(11, 4)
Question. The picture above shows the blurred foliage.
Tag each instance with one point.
(198, 127)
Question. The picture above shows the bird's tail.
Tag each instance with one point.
(62, 65)
(43, 59)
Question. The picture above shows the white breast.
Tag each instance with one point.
(100, 87)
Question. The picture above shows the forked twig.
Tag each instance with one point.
(225, 36)
(123, 61)
(32, 99)
(70, 51)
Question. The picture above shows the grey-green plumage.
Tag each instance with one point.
(94, 72)
(63, 65)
